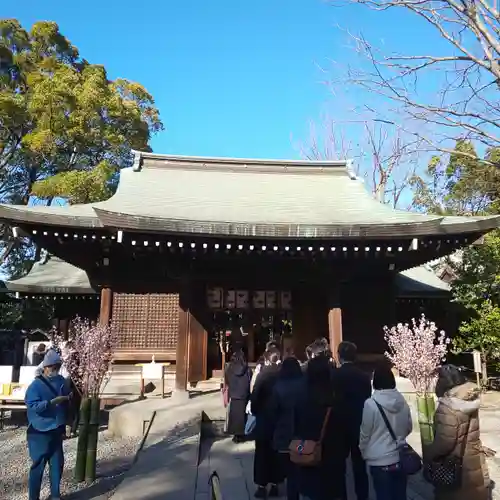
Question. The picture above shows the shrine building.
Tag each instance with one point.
(190, 251)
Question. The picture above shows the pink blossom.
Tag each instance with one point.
(417, 351)
(88, 355)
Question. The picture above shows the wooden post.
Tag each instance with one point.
(334, 323)
(163, 382)
(63, 328)
(181, 357)
(106, 306)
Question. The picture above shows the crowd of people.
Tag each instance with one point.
(337, 410)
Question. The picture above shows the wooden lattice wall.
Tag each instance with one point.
(147, 324)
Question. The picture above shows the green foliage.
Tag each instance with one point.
(460, 185)
(79, 186)
(27, 314)
(58, 112)
(64, 125)
(481, 333)
(478, 273)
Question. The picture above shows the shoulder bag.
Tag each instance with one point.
(306, 452)
(46, 382)
(409, 459)
(446, 473)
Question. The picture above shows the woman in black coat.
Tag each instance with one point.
(326, 480)
(267, 468)
(288, 389)
(237, 378)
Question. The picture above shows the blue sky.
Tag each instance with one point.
(231, 78)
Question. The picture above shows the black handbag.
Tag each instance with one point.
(409, 459)
(446, 473)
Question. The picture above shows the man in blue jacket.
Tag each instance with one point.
(46, 400)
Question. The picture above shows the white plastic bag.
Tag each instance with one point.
(250, 425)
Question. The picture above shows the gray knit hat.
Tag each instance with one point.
(51, 359)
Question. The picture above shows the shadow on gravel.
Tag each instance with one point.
(110, 475)
(113, 472)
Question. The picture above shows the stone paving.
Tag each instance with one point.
(234, 465)
(167, 468)
(234, 462)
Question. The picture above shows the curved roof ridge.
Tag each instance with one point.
(141, 155)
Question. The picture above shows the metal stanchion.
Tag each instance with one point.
(215, 489)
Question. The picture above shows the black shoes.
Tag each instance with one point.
(273, 491)
(261, 492)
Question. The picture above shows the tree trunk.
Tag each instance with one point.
(83, 435)
(426, 407)
(93, 435)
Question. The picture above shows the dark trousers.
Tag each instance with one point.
(290, 473)
(267, 466)
(361, 484)
(74, 411)
(43, 448)
(389, 483)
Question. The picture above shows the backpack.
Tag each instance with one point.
(306, 452)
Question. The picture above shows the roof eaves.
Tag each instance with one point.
(54, 217)
(124, 221)
(12, 287)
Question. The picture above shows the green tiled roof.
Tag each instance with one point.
(420, 281)
(52, 276)
(248, 198)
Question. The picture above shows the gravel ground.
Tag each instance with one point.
(114, 456)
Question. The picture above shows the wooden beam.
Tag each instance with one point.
(106, 306)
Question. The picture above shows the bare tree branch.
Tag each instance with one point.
(466, 103)
(382, 155)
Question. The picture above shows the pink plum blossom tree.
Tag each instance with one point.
(417, 350)
(88, 355)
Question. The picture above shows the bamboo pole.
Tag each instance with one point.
(81, 449)
(93, 435)
(426, 407)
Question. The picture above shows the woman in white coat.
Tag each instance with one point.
(376, 444)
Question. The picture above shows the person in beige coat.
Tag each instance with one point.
(456, 419)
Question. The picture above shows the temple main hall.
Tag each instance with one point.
(194, 253)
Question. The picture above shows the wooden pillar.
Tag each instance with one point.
(251, 343)
(106, 306)
(182, 352)
(63, 328)
(334, 322)
(192, 340)
(197, 351)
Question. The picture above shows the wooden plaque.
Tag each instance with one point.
(214, 298)
(270, 299)
(242, 299)
(259, 300)
(286, 300)
(230, 299)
